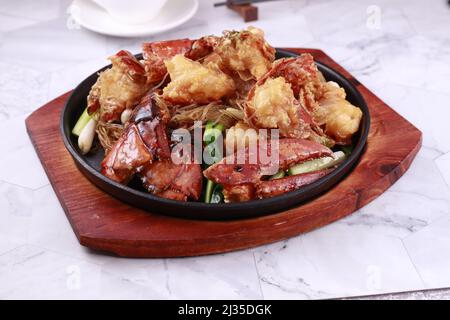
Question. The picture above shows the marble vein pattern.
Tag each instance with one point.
(399, 49)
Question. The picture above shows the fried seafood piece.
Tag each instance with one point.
(155, 53)
(118, 88)
(301, 72)
(143, 150)
(203, 47)
(273, 105)
(193, 83)
(128, 154)
(231, 171)
(173, 181)
(276, 100)
(143, 140)
(339, 117)
(270, 188)
(245, 181)
(276, 187)
(245, 53)
(323, 107)
(238, 193)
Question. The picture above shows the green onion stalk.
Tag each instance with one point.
(81, 123)
(213, 192)
(84, 129)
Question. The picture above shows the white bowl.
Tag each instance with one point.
(93, 17)
(132, 11)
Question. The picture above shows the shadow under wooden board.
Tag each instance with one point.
(104, 223)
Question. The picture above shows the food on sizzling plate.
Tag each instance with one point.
(118, 88)
(267, 126)
(273, 105)
(155, 53)
(338, 116)
(191, 82)
(246, 182)
(245, 53)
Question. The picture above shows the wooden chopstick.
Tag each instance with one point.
(239, 2)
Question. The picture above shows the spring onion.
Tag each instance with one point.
(318, 164)
(81, 123)
(212, 131)
(86, 136)
(209, 190)
(347, 150)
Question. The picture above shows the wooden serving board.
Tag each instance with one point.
(103, 223)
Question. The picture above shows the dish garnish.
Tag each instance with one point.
(217, 119)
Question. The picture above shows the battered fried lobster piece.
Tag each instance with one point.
(246, 181)
(325, 101)
(193, 83)
(118, 88)
(277, 100)
(245, 53)
(209, 68)
(143, 149)
(294, 97)
(339, 118)
(155, 53)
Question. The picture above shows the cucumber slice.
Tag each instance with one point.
(318, 164)
(278, 175)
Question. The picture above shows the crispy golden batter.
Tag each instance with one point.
(155, 53)
(118, 88)
(246, 53)
(273, 105)
(232, 80)
(191, 82)
(301, 72)
(340, 118)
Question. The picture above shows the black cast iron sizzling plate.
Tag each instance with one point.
(135, 195)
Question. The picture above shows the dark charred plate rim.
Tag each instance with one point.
(132, 194)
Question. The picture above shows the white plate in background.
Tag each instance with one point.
(90, 16)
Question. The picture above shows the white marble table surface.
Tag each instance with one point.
(400, 241)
